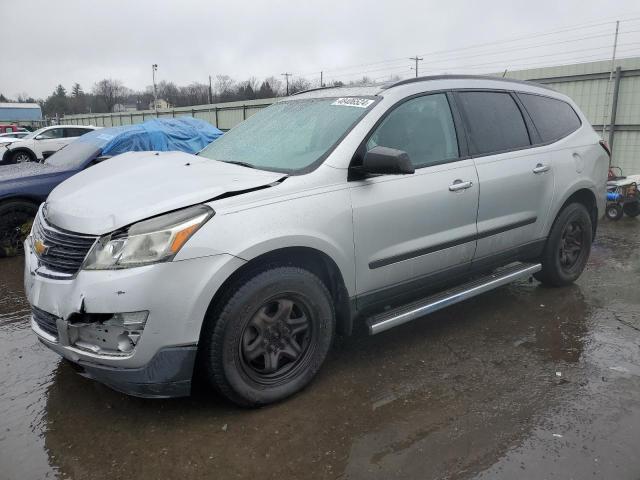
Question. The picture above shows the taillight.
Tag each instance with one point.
(605, 145)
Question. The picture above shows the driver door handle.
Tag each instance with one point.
(540, 168)
(458, 185)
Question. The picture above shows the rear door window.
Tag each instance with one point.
(494, 121)
(75, 132)
(554, 119)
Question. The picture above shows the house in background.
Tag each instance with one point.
(124, 107)
(160, 104)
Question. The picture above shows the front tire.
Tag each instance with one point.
(16, 218)
(22, 156)
(568, 246)
(269, 338)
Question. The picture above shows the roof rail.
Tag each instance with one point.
(465, 77)
(313, 90)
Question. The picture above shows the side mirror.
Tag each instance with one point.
(387, 161)
(39, 137)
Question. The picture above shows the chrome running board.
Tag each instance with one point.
(406, 313)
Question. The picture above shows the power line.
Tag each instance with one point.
(632, 53)
(529, 47)
(587, 25)
(501, 51)
(504, 62)
(524, 66)
(497, 62)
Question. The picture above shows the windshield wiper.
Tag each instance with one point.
(242, 164)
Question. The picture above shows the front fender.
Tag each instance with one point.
(322, 222)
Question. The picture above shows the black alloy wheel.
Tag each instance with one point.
(277, 339)
(571, 243)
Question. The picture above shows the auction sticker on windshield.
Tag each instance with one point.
(353, 102)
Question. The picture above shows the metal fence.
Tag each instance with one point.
(222, 115)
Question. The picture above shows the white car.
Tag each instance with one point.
(6, 139)
(11, 136)
(42, 143)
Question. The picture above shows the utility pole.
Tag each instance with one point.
(210, 92)
(286, 76)
(416, 59)
(321, 84)
(154, 69)
(606, 95)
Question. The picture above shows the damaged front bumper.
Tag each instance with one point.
(168, 374)
(135, 330)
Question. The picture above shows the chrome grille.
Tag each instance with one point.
(60, 252)
(46, 321)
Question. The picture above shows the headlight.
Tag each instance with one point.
(155, 240)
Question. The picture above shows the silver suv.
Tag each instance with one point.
(330, 209)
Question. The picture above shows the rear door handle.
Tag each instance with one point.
(458, 185)
(540, 168)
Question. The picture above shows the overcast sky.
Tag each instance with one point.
(47, 42)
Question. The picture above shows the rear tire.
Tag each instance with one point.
(16, 218)
(632, 209)
(22, 156)
(568, 246)
(614, 212)
(269, 338)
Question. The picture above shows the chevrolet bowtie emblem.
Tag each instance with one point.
(40, 247)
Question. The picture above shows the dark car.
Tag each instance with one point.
(24, 186)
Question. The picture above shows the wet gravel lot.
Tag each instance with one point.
(523, 382)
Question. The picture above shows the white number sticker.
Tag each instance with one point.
(353, 102)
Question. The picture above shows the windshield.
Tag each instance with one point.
(76, 154)
(34, 134)
(289, 136)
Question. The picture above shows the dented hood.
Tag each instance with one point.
(139, 185)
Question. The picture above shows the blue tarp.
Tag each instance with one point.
(185, 134)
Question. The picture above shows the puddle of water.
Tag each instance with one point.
(27, 373)
(471, 390)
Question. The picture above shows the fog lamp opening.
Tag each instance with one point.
(107, 334)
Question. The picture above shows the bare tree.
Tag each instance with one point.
(224, 87)
(248, 89)
(169, 92)
(195, 93)
(362, 81)
(299, 85)
(276, 85)
(110, 91)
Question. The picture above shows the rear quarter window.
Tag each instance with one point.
(553, 118)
